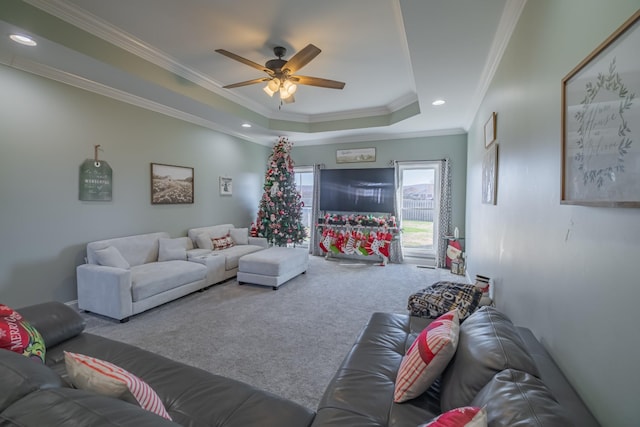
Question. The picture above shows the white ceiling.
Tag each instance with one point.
(395, 56)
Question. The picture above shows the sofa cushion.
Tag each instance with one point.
(517, 399)
(56, 321)
(240, 235)
(427, 357)
(19, 376)
(469, 416)
(234, 253)
(173, 249)
(157, 277)
(111, 257)
(222, 243)
(89, 373)
(488, 343)
(442, 297)
(71, 407)
(16, 334)
(203, 241)
(137, 249)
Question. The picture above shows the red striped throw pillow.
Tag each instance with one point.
(427, 357)
(89, 373)
(468, 416)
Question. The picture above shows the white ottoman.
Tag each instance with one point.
(273, 266)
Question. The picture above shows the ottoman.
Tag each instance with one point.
(273, 266)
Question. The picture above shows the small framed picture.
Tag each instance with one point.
(490, 130)
(356, 155)
(226, 186)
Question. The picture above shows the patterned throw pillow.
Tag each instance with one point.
(442, 297)
(222, 243)
(427, 357)
(18, 335)
(89, 373)
(460, 417)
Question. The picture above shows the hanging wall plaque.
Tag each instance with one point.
(95, 180)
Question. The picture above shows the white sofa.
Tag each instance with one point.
(128, 275)
(222, 264)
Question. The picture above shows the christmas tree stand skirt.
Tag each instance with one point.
(273, 266)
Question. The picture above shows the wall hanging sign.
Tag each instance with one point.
(171, 184)
(226, 186)
(356, 155)
(96, 179)
(490, 175)
(601, 124)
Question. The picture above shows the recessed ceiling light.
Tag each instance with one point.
(246, 125)
(438, 102)
(22, 39)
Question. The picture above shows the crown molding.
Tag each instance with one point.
(508, 21)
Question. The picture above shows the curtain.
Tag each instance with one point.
(315, 236)
(444, 215)
(396, 254)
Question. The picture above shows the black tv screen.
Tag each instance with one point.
(357, 190)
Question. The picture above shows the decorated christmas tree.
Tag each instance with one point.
(280, 212)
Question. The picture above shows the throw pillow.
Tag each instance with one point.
(172, 249)
(468, 416)
(222, 243)
(203, 240)
(89, 373)
(427, 357)
(240, 236)
(16, 334)
(442, 297)
(111, 257)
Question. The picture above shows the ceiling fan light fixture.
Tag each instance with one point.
(289, 87)
(272, 87)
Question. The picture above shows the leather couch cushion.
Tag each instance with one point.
(20, 376)
(488, 343)
(67, 406)
(55, 321)
(517, 399)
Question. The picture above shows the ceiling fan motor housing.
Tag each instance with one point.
(276, 64)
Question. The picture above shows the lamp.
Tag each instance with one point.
(272, 87)
(286, 89)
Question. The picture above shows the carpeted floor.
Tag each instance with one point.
(289, 341)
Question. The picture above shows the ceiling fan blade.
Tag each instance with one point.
(247, 83)
(301, 58)
(317, 81)
(245, 61)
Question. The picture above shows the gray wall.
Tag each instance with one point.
(48, 129)
(570, 273)
(426, 148)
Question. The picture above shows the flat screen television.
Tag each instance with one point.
(357, 190)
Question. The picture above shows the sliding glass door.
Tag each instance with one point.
(419, 201)
(304, 184)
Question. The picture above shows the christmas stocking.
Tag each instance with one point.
(325, 241)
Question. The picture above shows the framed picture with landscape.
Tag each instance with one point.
(171, 185)
(601, 124)
(356, 155)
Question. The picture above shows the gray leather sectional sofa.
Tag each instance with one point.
(496, 364)
(36, 395)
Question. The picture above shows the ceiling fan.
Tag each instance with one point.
(281, 77)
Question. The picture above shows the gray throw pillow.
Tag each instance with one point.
(111, 257)
(172, 249)
(203, 240)
(240, 236)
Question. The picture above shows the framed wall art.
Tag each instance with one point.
(355, 155)
(490, 133)
(226, 186)
(601, 124)
(490, 175)
(171, 184)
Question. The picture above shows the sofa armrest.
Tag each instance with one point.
(259, 241)
(105, 290)
(55, 321)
